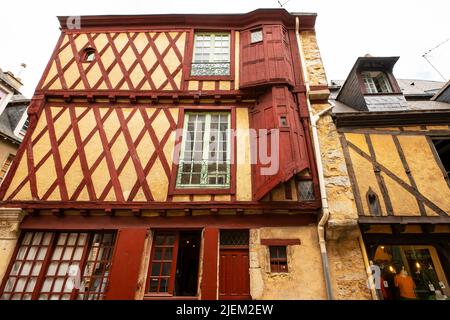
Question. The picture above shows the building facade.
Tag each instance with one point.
(395, 137)
(179, 148)
(13, 125)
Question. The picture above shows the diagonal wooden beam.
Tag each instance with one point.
(406, 186)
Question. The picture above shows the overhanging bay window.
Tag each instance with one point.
(59, 266)
(211, 54)
(205, 153)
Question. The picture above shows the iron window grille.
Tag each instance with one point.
(60, 266)
(278, 259)
(205, 153)
(211, 54)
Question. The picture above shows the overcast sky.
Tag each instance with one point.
(345, 29)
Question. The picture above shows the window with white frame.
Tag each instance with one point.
(211, 54)
(22, 125)
(205, 152)
(376, 82)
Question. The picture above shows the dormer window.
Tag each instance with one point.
(376, 82)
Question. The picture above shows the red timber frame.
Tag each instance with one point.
(132, 231)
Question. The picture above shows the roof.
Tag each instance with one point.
(186, 20)
(408, 86)
(443, 94)
(10, 118)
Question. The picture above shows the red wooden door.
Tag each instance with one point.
(234, 274)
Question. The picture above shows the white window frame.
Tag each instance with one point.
(381, 78)
(4, 102)
(205, 161)
(20, 124)
(212, 47)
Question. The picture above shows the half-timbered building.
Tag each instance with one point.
(170, 156)
(395, 137)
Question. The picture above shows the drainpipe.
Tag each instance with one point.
(325, 210)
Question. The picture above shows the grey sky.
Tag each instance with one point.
(346, 29)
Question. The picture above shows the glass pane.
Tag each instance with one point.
(72, 239)
(168, 254)
(36, 268)
(164, 285)
(30, 285)
(62, 239)
(166, 268)
(156, 268)
(67, 255)
(26, 269)
(153, 285)
(158, 254)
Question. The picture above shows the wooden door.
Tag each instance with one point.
(234, 274)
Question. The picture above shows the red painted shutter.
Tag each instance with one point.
(210, 256)
(292, 153)
(268, 60)
(126, 264)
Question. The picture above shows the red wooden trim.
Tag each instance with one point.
(36, 104)
(77, 61)
(50, 62)
(120, 62)
(134, 156)
(32, 172)
(126, 263)
(208, 284)
(109, 160)
(56, 155)
(280, 242)
(212, 221)
(98, 59)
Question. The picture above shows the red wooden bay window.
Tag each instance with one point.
(59, 266)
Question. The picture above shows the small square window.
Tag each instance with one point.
(283, 121)
(306, 190)
(256, 36)
(278, 259)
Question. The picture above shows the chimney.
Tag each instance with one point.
(13, 80)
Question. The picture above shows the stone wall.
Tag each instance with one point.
(305, 277)
(313, 60)
(9, 233)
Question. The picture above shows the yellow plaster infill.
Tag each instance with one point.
(423, 166)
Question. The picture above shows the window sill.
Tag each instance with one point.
(211, 78)
(384, 94)
(204, 190)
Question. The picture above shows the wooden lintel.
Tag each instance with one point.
(217, 99)
(56, 212)
(90, 98)
(175, 99)
(240, 211)
(196, 98)
(162, 213)
(214, 211)
(137, 212)
(112, 98)
(84, 212)
(155, 99)
(133, 98)
(67, 98)
(109, 212)
(188, 212)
